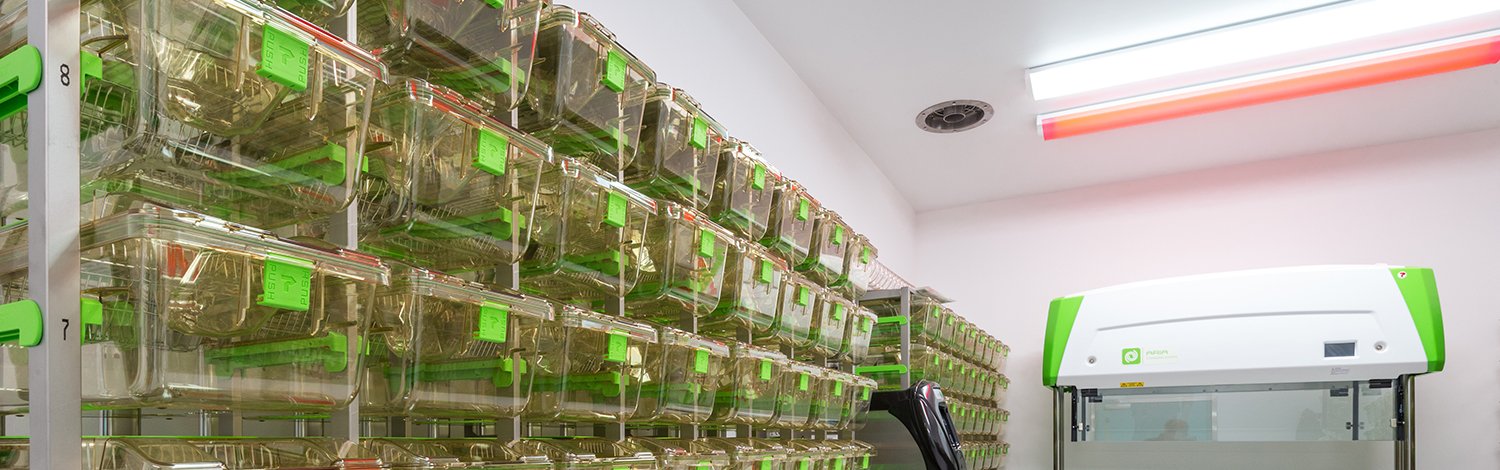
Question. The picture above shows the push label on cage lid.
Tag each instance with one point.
(765, 369)
(838, 312)
(494, 322)
(700, 133)
(700, 361)
(286, 283)
(766, 271)
(491, 152)
(802, 381)
(618, 347)
(758, 178)
(614, 212)
(804, 207)
(614, 71)
(706, 243)
(804, 296)
(283, 58)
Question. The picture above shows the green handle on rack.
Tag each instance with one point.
(330, 350)
(20, 74)
(21, 322)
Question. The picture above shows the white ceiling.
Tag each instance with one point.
(875, 65)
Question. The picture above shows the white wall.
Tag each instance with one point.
(710, 49)
(1430, 203)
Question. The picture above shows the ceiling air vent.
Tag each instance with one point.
(954, 116)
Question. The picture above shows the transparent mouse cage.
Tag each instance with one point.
(680, 148)
(682, 275)
(754, 384)
(588, 235)
(683, 380)
(442, 347)
(451, 453)
(594, 368)
(753, 281)
(586, 94)
(483, 49)
(233, 109)
(184, 311)
(445, 186)
(743, 188)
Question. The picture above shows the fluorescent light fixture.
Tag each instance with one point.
(1271, 37)
(1323, 77)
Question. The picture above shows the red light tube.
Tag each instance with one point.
(1324, 77)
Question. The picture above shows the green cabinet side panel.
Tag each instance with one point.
(1060, 317)
(1419, 288)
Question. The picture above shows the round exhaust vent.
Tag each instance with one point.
(955, 116)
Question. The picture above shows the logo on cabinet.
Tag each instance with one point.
(1130, 356)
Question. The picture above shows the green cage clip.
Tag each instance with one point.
(21, 322)
(20, 74)
(331, 350)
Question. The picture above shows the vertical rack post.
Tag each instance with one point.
(344, 232)
(53, 253)
(906, 337)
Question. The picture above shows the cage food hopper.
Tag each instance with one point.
(753, 280)
(744, 188)
(684, 454)
(483, 49)
(859, 267)
(444, 347)
(587, 235)
(589, 453)
(825, 261)
(1315, 353)
(684, 379)
(234, 109)
(682, 275)
(182, 310)
(860, 329)
(679, 152)
(446, 186)
(448, 454)
(750, 454)
(794, 219)
(794, 314)
(586, 94)
(755, 383)
(592, 368)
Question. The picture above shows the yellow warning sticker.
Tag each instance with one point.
(1132, 384)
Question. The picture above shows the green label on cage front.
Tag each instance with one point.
(614, 71)
(865, 324)
(765, 369)
(838, 463)
(838, 312)
(491, 152)
(765, 463)
(700, 133)
(286, 283)
(758, 178)
(864, 255)
(804, 208)
(706, 243)
(864, 393)
(864, 462)
(614, 212)
(838, 235)
(804, 296)
(804, 464)
(283, 58)
(838, 388)
(494, 322)
(802, 382)
(700, 361)
(767, 272)
(618, 347)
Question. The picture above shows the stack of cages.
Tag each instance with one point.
(754, 387)
(794, 218)
(753, 282)
(592, 369)
(446, 186)
(793, 326)
(233, 109)
(683, 380)
(801, 384)
(751, 454)
(188, 312)
(859, 268)
(827, 258)
(587, 237)
(744, 189)
(446, 454)
(682, 275)
(586, 95)
(679, 152)
(589, 453)
(445, 348)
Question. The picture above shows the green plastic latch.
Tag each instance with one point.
(804, 207)
(707, 241)
(838, 463)
(21, 322)
(615, 210)
(331, 351)
(494, 322)
(20, 74)
(614, 71)
(882, 369)
(765, 369)
(700, 361)
(864, 255)
(284, 58)
(618, 347)
(838, 388)
(767, 271)
(491, 152)
(865, 324)
(864, 462)
(802, 381)
(92, 65)
(864, 393)
(899, 320)
(700, 133)
(758, 180)
(804, 464)
(286, 283)
(838, 312)
(838, 235)
(496, 4)
(804, 296)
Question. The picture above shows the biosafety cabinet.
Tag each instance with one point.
(1322, 353)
